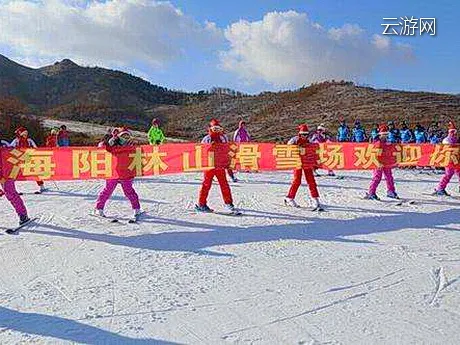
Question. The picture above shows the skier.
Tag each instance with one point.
(22, 140)
(379, 172)
(51, 139)
(451, 139)
(110, 133)
(241, 135)
(9, 190)
(434, 129)
(155, 134)
(358, 133)
(120, 137)
(318, 137)
(215, 136)
(301, 139)
(393, 133)
(420, 134)
(63, 139)
(405, 133)
(343, 132)
(374, 133)
(435, 135)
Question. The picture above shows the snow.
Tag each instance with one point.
(93, 129)
(365, 272)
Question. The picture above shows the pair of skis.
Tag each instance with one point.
(395, 202)
(231, 214)
(113, 220)
(318, 208)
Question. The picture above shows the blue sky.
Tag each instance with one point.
(222, 55)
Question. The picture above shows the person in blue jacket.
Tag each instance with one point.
(393, 133)
(358, 133)
(436, 137)
(374, 133)
(343, 132)
(405, 133)
(420, 134)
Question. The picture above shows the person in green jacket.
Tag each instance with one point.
(155, 134)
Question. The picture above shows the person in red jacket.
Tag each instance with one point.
(215, 136)
(22, 140)
(51, 140)
(301, 139)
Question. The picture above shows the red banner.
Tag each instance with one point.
(81, 163)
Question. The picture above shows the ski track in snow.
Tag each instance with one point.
(361, 273)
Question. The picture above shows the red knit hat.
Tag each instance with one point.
(20, 130)
(383, 129)
(303, 129)
(155, 121)
(214, 126)
(214, 122)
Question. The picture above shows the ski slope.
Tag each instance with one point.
(365, 272)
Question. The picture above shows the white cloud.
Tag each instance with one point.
(287, 49)
(113, 33)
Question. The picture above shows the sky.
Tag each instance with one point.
(250, 46)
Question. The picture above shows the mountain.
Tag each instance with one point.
(66, 90)
(274, 116)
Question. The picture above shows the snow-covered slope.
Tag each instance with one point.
(364, 272)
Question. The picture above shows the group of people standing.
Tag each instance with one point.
(215, 135)
(404, 134)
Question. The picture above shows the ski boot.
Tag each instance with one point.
(203, 209)
(290, 202)
(99, 213)
(371, 197)
(317, 206)
(23, 219)
(230, 208)
(441, 192)
(392, 195)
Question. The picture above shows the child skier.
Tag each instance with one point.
(155, 134)
(343, 132)
(379, 172)
(393, 133)
(241, 135)
(301, 139)
(120, 137)
(320, 137)
(420, 134)
(358, 133)
(405, 133)
(374, 133)
(451, 139)
(51, 139)
(22, 140)
(63, 138)
(9, 190)
(215, 136)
